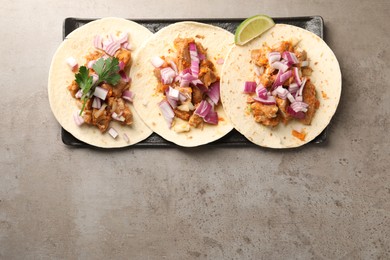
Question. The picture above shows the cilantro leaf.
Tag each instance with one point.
(107, 70)
(85, 83)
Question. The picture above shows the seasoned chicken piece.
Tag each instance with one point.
(197, 95)
(185, 115)
(195, 121)
(93, 56)
(102, 120)
(265, 114)
(128, 115)
(267, 79)
(309, 97)
(284, 46)
(124, 110)
(118, 89)
(123, 55)
(73, 88)
(301, 55)
(282, 105)
(207, 73)
(259, 56)
(183, 52)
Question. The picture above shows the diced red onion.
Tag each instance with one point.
(202, 56)
(124, 76)
(194, 59)
(100, 93)
(290, 58)
(113, 132)
(95, 78)
(211, 117)
(277, 81)
(79, 94)
(281, 92)
(72, 62)
(97, 42)
(300, 91)
(261, 91)
(285, 76)
(273, 56)
(203, 109)
(298, 115)
(298, 106)
(167, 112)
(128, 95)
(117, 117)
(296, 76)
(123, 37)
(79, 120)
(127, 140)
(156, 61)
(167, 75)
(293, 88)
(213, 92)
(173, 66)
(173, 93)
(111, 47)
(122, 65)
(182, 97)
(249, 87)
(270, 100)
(280, 66)
(97, 103)
(290, 97)
(90, 64)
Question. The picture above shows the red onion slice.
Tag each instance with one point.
(128, 95)
(113, 132)
(156, 61)
(100, 93)
(290, 58)
(249, 87)
(203, 109)
(273, 56)
(211, 117)
(97, 103)
(270, 100)
(79, 120)
(167, 112)
(214, 92)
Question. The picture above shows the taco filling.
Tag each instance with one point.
(282, 90)
(189, 84)
(101, 85)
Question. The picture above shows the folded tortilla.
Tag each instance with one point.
(326, 77)
(217, 41)
(78, 44)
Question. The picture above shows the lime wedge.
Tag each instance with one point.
(252, 27)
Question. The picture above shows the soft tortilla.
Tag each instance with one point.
(238, 69)
(217, 41)
(78, 44)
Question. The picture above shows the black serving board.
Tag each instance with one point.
(314, 24)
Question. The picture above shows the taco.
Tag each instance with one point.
(281, 89)
(176, 81)
(89, 87)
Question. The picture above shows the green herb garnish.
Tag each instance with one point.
(107, 71)
(85, 83)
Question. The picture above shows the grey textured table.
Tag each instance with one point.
(328, 201)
